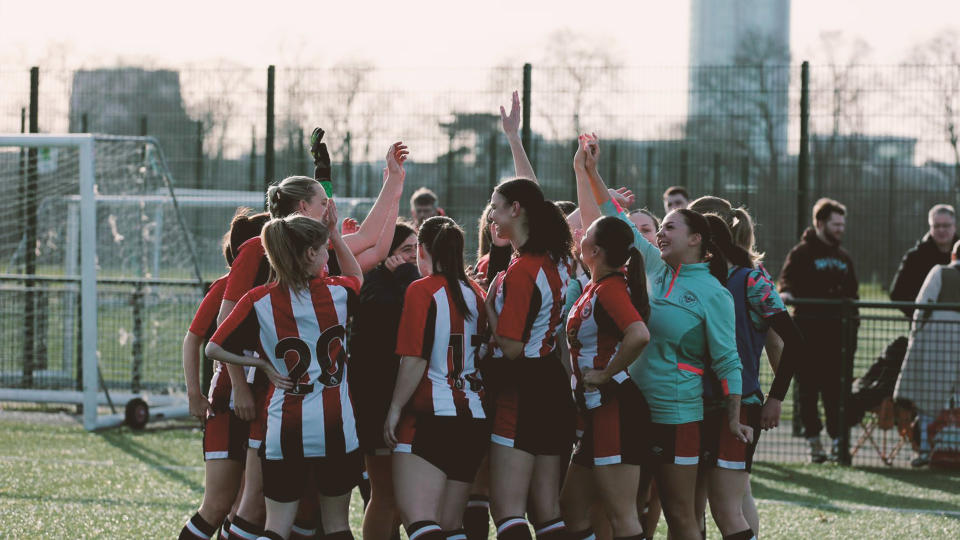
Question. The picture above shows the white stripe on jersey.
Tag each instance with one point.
(311, 408)
(469, 359)
(541, 323)
(439, 390)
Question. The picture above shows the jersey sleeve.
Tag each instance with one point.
(519, 289)
(415, 334)
(243, 272)
(240, 330)
(762, 295)
(616, 302)
(205, 320)
(351, 283)
(652, 262)
(722, 341)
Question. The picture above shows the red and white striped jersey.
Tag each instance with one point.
(432, 328)
(204, 324)
(249, 269)
(529, 302)
(303, 335)
(595, 328)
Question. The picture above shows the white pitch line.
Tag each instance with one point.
(863, 507)
(100, 463)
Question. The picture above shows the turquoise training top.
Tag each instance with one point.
(691, 319)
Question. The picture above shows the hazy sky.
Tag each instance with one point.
(431, 33)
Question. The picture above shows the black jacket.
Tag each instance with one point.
(373, 336)
(815, 269)
(914, 267)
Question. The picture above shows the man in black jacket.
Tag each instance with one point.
(818, 267)
(931, 250)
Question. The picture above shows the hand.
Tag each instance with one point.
(592, 150)
(492, 289)
(624, 197)
(390, 427)
(593, 378)
(577, 237)
(330, 220)
(580, 157)
(511, 122)
(243, 404)
(770, 413)
(396, 155)
(349, 226)
(279, 381)
(478, 277)
(199, 406)
(743, 433)
(393, 262)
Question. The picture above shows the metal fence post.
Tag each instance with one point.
(30, 253)
(199, 163)
(253, 158)
(717, 181)
(347, 166)
(268, 155)
(525, 130)
(648, 180)
(847, 328)
(494, 169)
(684, 156)
(803, 176)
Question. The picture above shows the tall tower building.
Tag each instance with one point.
(748, 44)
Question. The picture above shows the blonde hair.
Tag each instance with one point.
(738, 220)
(283, 198)
(285, 241)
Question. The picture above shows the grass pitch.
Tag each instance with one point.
(56, 480)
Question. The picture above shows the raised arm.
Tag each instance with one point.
(348, 263)
(366, 237)
(587, 203)
(511, 128)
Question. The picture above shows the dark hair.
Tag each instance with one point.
(401, 231)
(649, 214)
(824, 209)
(676, 190)
(708, 250)
(566, 207)
(423, 196)
(443, 240)
(548, 230)
(724, 242)
(283, 197)
(499, 255)
(243, 227)
(616, 239)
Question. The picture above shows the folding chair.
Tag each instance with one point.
(885, 417)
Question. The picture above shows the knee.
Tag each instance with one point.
(215, 508)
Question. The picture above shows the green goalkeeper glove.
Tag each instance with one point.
(321, 161)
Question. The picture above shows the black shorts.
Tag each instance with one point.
(452, 444)
(371, 389)
(225, 436)
(615, 432)
(537, 414)
(720, 448)
(286, 480)
(674, 444)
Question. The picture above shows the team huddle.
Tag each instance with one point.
(593, 367)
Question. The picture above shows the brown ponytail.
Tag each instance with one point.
(243, 227)
(724, 242)
(443, 240)
(737, 219)
(616, 239)
(285, 241)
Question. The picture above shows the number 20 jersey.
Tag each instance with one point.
(432, 328)
(303, 335)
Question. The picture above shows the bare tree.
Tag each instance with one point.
(936, 62)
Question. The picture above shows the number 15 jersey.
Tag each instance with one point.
(432, 328)
(303, 335)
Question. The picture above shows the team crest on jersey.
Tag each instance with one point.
(586, 311)
(688, 299)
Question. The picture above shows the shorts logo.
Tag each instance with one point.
(657, 450)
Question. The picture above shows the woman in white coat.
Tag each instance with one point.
(931, 369)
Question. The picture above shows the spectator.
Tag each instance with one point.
(931, 250)
(818, 267)
(423, 206)
(675, 198)
(931, 370)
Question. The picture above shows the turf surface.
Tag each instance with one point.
(57, 480)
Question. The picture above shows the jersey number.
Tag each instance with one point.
(455, 355)
(294, 353)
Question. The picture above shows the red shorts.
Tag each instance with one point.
(224, 436)
(452, 444)
(721, 448)
(674, 444)
(538, 415)
(615, 431)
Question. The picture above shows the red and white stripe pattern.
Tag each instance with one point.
(290, 326)
(432, 328)
(530, 302)
(595, 328)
